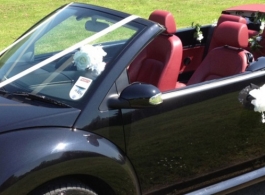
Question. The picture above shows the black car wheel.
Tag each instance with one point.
(64, 187)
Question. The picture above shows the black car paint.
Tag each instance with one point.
(125, 146)
(168, 144)
(16, 115)
(35, 156)
(28, 144)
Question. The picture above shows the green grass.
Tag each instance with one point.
(17, 16)
(64, 36)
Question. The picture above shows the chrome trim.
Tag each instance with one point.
(230, 183)
(207, 86)
(156, 100)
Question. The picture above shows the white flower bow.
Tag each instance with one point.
(90, 57)
(198, 33)
(200, 37)
(259, 101)
(262, 25)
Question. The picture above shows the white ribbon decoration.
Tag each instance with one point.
(259, 101)
(70, 49)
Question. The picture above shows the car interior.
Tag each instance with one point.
(176, 59)
(161, 58)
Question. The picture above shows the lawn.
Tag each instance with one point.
(19, 15)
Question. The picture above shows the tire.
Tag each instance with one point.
(64, 187)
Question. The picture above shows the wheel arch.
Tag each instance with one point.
(89, 158)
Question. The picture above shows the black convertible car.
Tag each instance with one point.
(96, 101)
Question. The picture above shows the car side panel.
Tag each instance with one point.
(36, 156)
(192, 58)
(198, 136)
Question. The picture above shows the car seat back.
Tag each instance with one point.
(159, 62)
(223, 18)
(227, 60)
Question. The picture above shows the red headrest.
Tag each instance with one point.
(164, 18)
(232, 34)
(233, 18)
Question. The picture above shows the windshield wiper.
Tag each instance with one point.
(30, 96)
(3, 91)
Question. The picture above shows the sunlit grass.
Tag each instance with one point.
(18, 15)
(71, 31)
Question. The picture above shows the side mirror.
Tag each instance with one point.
(137, 95)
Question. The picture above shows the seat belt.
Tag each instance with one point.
(208, 41)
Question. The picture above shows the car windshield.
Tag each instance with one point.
(65, 54)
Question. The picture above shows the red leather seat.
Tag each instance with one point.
(223, 18)
(159, 63)
(228, 59)
(232, 18)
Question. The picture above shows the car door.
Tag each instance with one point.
(199, 135)
(193, 50)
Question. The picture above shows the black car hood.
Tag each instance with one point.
(16, 115)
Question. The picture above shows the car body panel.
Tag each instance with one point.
(58, 152)
(181, 140)
(90, 151)
(26, 116)
(192, 138)
(249, 8)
